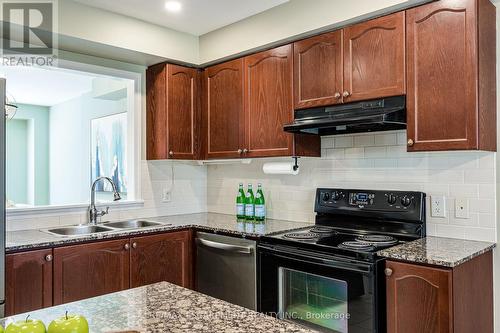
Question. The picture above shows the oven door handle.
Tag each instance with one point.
(327, 261)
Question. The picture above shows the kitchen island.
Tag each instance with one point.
(163, 307)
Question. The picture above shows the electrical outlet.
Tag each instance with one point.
(166, 195)
(461, 208)
(438, 206)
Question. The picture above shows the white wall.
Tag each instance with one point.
(372, 161)
(284, 22)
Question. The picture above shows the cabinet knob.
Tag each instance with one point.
(245, 151)
(171, 153)
(134, 245)
(240, 151)
(346, 94)
(126, 246)
(388, 272)
(337, 95)
(410, 142)
(49, 257)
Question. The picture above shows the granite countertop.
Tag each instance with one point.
(164, 307)
(219, 223)
(439, 251)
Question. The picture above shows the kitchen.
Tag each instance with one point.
(369, 125)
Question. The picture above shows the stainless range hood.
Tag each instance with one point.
(367, 116)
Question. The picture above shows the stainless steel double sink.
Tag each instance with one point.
(81, 230)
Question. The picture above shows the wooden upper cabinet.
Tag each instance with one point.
(172, 116)
(317, 65)
(419, 299)
(88, 270)
(269, 102)
(451, 99)
(224, 117)
(28, 281)
(163, 257)
(374, 58)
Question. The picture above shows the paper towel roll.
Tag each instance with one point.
(279, 169)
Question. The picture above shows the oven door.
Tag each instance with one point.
(325, 293)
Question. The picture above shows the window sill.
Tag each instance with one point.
(32, 212)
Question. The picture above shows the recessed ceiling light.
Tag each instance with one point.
(173, 6)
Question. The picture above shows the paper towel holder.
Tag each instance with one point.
(296, 165)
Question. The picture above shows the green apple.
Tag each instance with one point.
(69, 324)
(26, 326)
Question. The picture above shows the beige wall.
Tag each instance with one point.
(285, 21)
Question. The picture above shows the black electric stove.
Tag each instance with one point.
(328, 276)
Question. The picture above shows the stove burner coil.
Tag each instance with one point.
(357, 245)
(302, 236)
(322, 230)
(377, 240)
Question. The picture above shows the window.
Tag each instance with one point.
(70, 127)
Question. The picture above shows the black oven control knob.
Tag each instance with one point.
(405, 201)
(336, 195)
(326, 196)
(391, 199)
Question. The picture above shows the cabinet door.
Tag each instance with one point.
(223, 110)
(317, 66)
(28, 281)
(419, 299)
(442, 72)
(182, 90)
(164, 257)
(90, 270)
(268, 102)
(374, 58)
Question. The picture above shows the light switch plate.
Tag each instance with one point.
(462, 208)
(166, 195)
(438, 206)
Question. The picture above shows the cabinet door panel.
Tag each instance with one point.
(165, 257)
(419, 299)
(317, 63)
(268, 102)
(182, 97)
(156, 114)
(374, 58)
(442, 72)
(28, 281)
(224, 114)
(89, 270)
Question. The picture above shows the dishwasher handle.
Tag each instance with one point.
(224, 247)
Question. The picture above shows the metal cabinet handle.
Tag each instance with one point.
(49, 257)
(245, 151)
(240, 151)
(346, 94)
(126, 246)
(410, 142)
(171, 153)
(337, 95)
(224, 247)
(388, 272)
(134, 245)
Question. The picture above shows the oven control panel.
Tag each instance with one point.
(368, 200)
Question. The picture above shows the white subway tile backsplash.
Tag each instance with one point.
(375, 161)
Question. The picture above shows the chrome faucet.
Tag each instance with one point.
(93, 212)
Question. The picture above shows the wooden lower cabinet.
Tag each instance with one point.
(89, 270)
(163, 257)
(425, 299)
(28, 281)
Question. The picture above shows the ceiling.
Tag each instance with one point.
(37, 86)
(197, 17)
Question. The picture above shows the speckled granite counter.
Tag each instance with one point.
(218, 223)
(439, 251)
(164, 307)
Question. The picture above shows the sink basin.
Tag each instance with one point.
(134, 224)
(78, 230)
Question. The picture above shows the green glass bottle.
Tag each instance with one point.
(240, 203)
(249, 204)
(260, 204)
